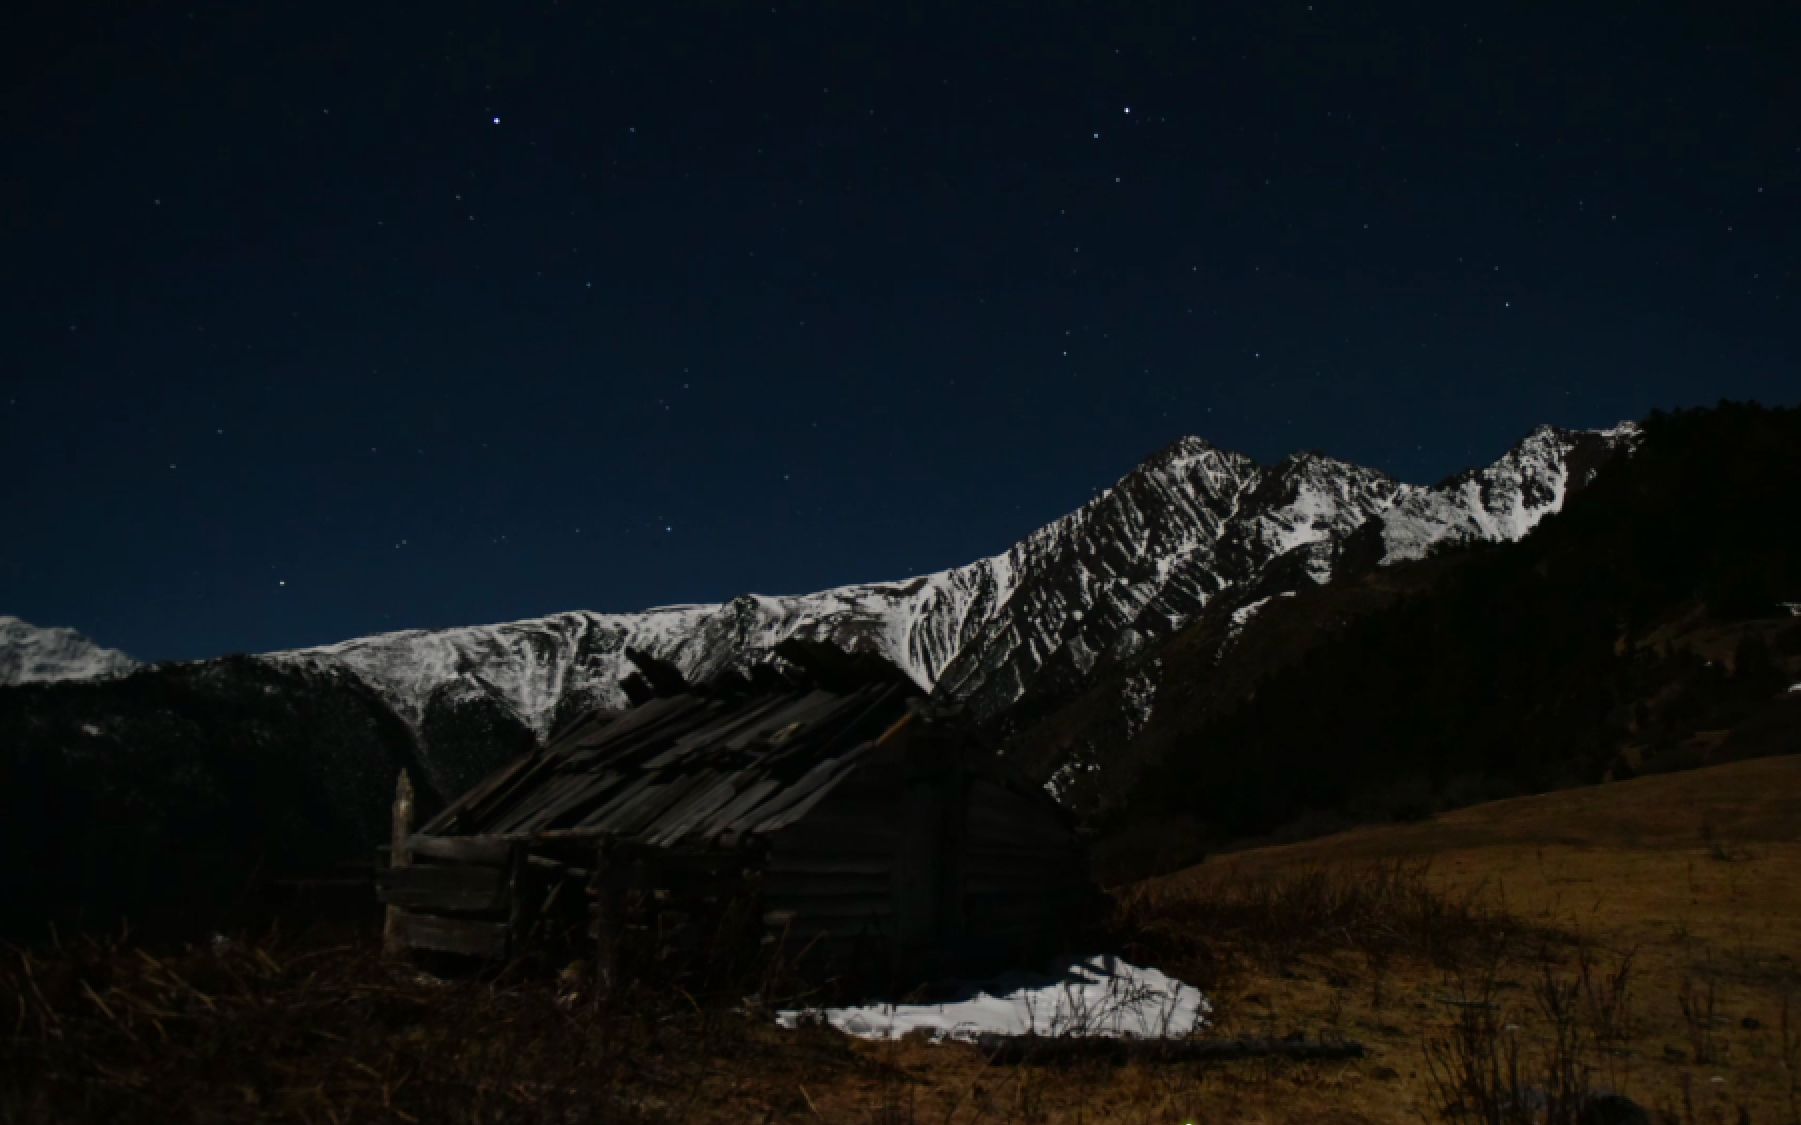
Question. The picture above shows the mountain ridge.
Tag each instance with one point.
(37, 654)
(1135, 563)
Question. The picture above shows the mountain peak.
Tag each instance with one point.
(32, 654)
(1139, 560)
(1189, 444)
(1185, 448)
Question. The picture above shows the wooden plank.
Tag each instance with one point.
(638, 820)
(822, 774)
(773, 820)
(825, 885)
(753, 795)
(465, 806)
(532, 803)
(400, 856)
(443, 887)
(644, 729)
(480, 850)
(690, 814)
(804, 863)
(649, 877)
(453, 935)
(756, 719)
(711, 732)
(1035, 870)
(850, 818)
(618, 812)
(592, 788)
(801, 710)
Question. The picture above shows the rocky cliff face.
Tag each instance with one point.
(1136, 563)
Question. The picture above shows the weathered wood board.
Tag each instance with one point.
(443, 887)
(453, 935)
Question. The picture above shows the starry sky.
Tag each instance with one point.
(323, 319)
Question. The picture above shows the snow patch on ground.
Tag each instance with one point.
(1095, 996)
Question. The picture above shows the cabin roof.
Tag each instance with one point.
(683, 770)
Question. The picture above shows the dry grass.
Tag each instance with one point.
(1503, 964)
(1670, 906)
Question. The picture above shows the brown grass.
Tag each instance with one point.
(1503, 964)
(1671, 906)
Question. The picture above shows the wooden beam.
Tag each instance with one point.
(452, 935)
(485, 851)
(607, 924)
(399, 855)
(443, 887)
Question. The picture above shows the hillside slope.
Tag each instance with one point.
(1641, 629)
(1671, 905)
(165, 795)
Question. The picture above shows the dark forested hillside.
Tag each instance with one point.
(175, 789)
(1642, 628)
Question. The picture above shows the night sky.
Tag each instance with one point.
(330, 320)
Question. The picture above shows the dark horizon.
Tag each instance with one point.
(337, 322)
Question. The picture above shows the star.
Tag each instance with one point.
(497, 120)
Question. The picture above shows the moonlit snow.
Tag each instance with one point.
(1096, 996)
(1139, 560)
(33, 655)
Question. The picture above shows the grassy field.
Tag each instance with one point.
(1690, 882)
(1501, 963)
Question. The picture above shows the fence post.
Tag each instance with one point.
(400, 854)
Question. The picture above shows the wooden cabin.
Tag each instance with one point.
(858, 832)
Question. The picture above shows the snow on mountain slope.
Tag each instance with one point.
(531, 666)
(30, 654)
(1503, 501)
(1138, 561)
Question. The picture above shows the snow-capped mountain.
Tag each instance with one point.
(1503, 501)
(1137, 562)
(30, 654)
